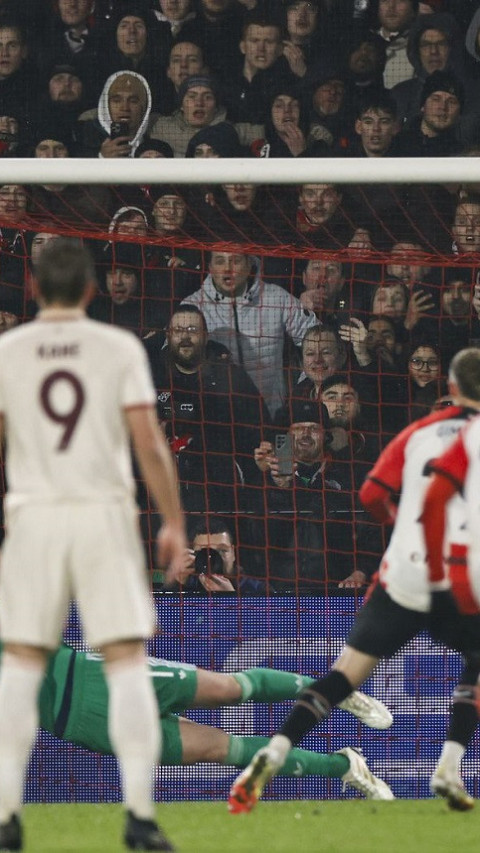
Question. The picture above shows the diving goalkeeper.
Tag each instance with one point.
(73, 706)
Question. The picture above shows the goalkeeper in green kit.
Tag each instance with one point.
(74, 704)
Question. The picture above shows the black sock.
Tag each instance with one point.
(464, 714)
(464, 710)
(314, 705)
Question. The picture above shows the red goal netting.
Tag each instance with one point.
(337, 306)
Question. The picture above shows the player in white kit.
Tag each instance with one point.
(73, 392)
(398, 602)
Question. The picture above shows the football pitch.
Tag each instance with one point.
(349, 826)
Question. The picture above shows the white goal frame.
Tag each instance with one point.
(302, 170)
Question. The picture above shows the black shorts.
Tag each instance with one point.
(382, 627)
(464, 636)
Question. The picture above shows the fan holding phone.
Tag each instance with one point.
(310, 515)
(303, 443)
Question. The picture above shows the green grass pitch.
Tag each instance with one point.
(350, 826)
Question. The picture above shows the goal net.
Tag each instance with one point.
(333, 309)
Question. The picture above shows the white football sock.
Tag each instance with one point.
(451, 755)
(278, 748)
(19, 686)
(134, 729)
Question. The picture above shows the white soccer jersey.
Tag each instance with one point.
(401, 467)
(65, 382)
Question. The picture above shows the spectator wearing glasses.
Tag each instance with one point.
(434, 45)
(425, 384)
(211, 412)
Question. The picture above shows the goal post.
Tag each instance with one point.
(297, 621)
(394, 170)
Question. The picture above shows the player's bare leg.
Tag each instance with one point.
(202, 743)
(314, 704)
(215, 689)
(135, 736)
(20, 679)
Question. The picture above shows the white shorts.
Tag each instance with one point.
(90, 552)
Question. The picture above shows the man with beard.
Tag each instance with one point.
(375, 345)
(309, 511)
(211, 411)
(459, 324)
(366, 56)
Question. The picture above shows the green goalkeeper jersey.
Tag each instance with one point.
(73, 702)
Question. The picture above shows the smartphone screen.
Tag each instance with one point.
(118, 128)
(284, 454)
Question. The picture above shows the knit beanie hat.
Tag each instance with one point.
(443, 81)
(197, 80)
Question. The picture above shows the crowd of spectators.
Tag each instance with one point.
(292, 331)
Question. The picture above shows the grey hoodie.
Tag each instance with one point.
(253, 326)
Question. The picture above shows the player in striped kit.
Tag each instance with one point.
(398, 602)
(451, 524)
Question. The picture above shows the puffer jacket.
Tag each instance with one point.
(253, 326)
